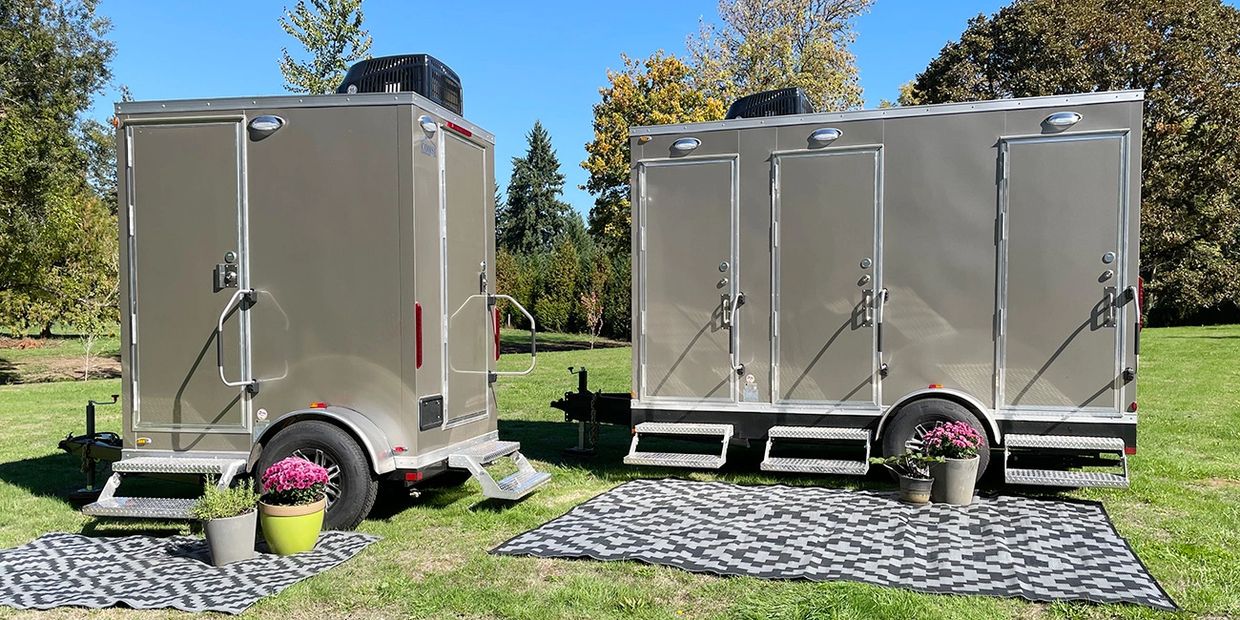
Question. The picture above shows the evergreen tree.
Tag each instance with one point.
(534, 215)
(332, 34)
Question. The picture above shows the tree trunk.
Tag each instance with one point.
(47, 331)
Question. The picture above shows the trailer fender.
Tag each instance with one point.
(968, 401)
(367, 434)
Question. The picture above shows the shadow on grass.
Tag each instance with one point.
(520, 344)
(546, 440)
(8, 372)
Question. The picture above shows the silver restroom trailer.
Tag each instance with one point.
(850, 279)
(309, 276)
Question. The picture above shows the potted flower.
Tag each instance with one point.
(913, 469)
(228, 518)
(292, 506)
(955, 476)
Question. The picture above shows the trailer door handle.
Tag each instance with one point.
(241, 299)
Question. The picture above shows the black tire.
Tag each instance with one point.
(329, 444)
(925, 413)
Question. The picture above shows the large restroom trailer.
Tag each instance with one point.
(308, 276)
(854, 278)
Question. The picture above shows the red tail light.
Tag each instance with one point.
(1130, 450)
(417, 334)
(497, 333)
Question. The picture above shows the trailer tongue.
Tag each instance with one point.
(842, 282)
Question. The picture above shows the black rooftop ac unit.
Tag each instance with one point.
(419, 73)
(771, 103)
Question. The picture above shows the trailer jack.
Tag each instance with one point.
(93, 447)
(589, 410)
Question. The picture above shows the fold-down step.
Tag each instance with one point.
(843, 467)
(680, 459)
(513, 487)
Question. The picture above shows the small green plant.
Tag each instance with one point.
(911, 464)
(217, 503)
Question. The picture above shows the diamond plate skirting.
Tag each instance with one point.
(1005, 546)
(144, 572)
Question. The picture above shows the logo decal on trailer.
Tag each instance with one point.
(427, 147)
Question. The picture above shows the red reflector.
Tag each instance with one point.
(1140, 301)
(497, 333)
(413, 476)
(400, 449)
(1130, 450)
(457, 128)
(1132, 407)
(417, 335)
(318, 404)
(936, 386)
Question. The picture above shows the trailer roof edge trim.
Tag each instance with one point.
(228, 104)
(896, 112)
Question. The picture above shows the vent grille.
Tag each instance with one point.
(419, 73)
(780, 102)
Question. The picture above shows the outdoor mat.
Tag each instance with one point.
(144, 572)
(1004, 546)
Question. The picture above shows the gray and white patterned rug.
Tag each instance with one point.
(1004, 546)
(145, 572)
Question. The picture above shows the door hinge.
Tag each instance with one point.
(128, 152)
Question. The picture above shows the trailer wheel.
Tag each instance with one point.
(351, 489)
(911, 422)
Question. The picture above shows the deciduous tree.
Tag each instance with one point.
(654, 91)
(768, 44)
(331, 33)
(54, 58)
(1185, 54)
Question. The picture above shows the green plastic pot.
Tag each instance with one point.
(291, 529)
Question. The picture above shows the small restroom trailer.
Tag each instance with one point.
(310, 276)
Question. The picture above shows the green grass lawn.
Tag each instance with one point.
(1182, 514)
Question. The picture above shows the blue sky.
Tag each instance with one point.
(518, 61)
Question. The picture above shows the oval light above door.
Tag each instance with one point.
(428, 124)
(684, 145)
(825, 135)
(262, 126)
(1063, 119)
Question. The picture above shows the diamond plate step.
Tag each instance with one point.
(1064, 442)
(141, 507)
(680, 459)
(522, 483)
(177, 465)
(483, 453)
(817, 466)
(513, 487)
(683, 428)
(676, 459)
(818, 432)
(1061, 478)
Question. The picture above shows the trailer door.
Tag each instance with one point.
(464, 245)
(688, 278)
(186, 216)
(827, 207)
(1061, 251)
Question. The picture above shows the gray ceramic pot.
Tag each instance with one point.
(953, 481)
(915, 490)
(232, 539)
